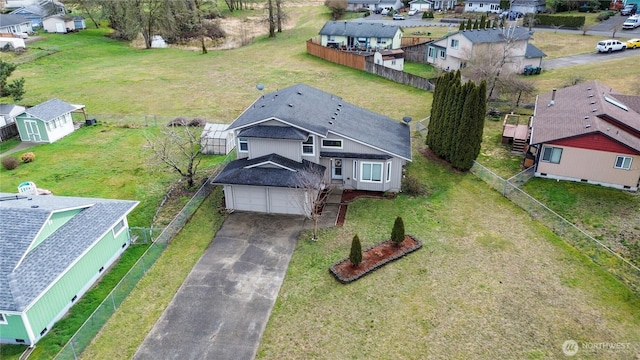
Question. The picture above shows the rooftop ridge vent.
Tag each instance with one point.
(290, 105)
(587, 126)
(590, 95)
(586, 117)
(592, 102)
(299, 92)
(594, 110)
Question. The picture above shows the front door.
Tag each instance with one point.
(33, 132)
(336, 169)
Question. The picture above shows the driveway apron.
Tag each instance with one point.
(222, 308)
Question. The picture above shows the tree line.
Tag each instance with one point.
(457, 120)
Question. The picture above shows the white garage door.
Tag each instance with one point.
(250, 198)
(284, 201)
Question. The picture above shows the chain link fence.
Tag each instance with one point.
(587, 244)
(160, 240)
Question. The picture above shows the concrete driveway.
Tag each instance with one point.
(222, 308)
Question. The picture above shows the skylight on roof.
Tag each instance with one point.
(616, 103)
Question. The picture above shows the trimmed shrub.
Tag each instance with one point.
(427, 15)
(603, 16)
(397, 234)
(412, 186)
(10, 163)
(27, 157)
(197, 122)
(179, 121)
(355, 256)
(565, 21)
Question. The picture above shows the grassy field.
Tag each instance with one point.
(488, 282)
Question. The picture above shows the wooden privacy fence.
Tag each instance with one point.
(352, 60)
(364, 61)
(399, 76)
(8, 131)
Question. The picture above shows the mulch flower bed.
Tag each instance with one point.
(373, 258)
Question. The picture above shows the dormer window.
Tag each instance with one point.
(3, 320)
(307, 146)
(243, 144)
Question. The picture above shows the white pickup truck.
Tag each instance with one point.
(631, 23)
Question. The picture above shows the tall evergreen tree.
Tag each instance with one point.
(461, 28)
(475, 25)
(460, 121)
(469, 24)
(466, 131)
(397, 233)
(483, 22)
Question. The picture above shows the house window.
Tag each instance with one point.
(355, 169)
(431, 52)
(623, 162)
(243, 145)
(388, 172)
(307, 146)
(393, 62)
(552, 154)
(3, 320)
(118, 228)
(331, 38)
(442, 54)
(455, 43)
(380, 41)
(470, 4)
(481, 4)
(371, 172)
(332, 143)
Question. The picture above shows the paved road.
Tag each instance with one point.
(550, 64)
(222, 308)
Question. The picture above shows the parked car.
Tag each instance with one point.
(398, 17)
(610, 45)
(629, 10)
(631, 23)
(378, 10)
(412, 12)
(633, 43)
(384, 11)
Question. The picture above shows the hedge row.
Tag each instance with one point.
(565, 21)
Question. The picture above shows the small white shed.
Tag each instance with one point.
(216, 139)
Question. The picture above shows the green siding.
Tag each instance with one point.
(57, 220)
(22, 129)
(14, 328)
(59, 296)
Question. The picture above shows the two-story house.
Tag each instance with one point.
(587, 133)
(360, 35)
(300, 129)
(456, 51)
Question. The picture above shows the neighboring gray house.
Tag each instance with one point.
(285, 133)
(421, 5)
(15, 24)
(37, 11)
(457, 50)
(8, 113)
(361, 35)
(355, 5)
(529, 6)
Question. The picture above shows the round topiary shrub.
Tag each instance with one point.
(27, 157)
(10, 163)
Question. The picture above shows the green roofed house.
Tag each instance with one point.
(53, 249)
(46, 122)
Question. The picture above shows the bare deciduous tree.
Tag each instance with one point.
(178, 148)
(515, 86)
(313, 190)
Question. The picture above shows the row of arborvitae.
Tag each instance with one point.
(457, 120)
(11, 162)
(397, 236)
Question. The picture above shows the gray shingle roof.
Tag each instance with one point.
(11, 19)
(496, 35)
(359, 29)
(22, 282)
(533, 52)
(318, 112)
(51, 109)
(576, 113)
(274, 132)
(240, 172)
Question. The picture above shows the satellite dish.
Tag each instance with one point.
(406, 119)
(260, 87)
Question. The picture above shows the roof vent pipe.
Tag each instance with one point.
(553, 98)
